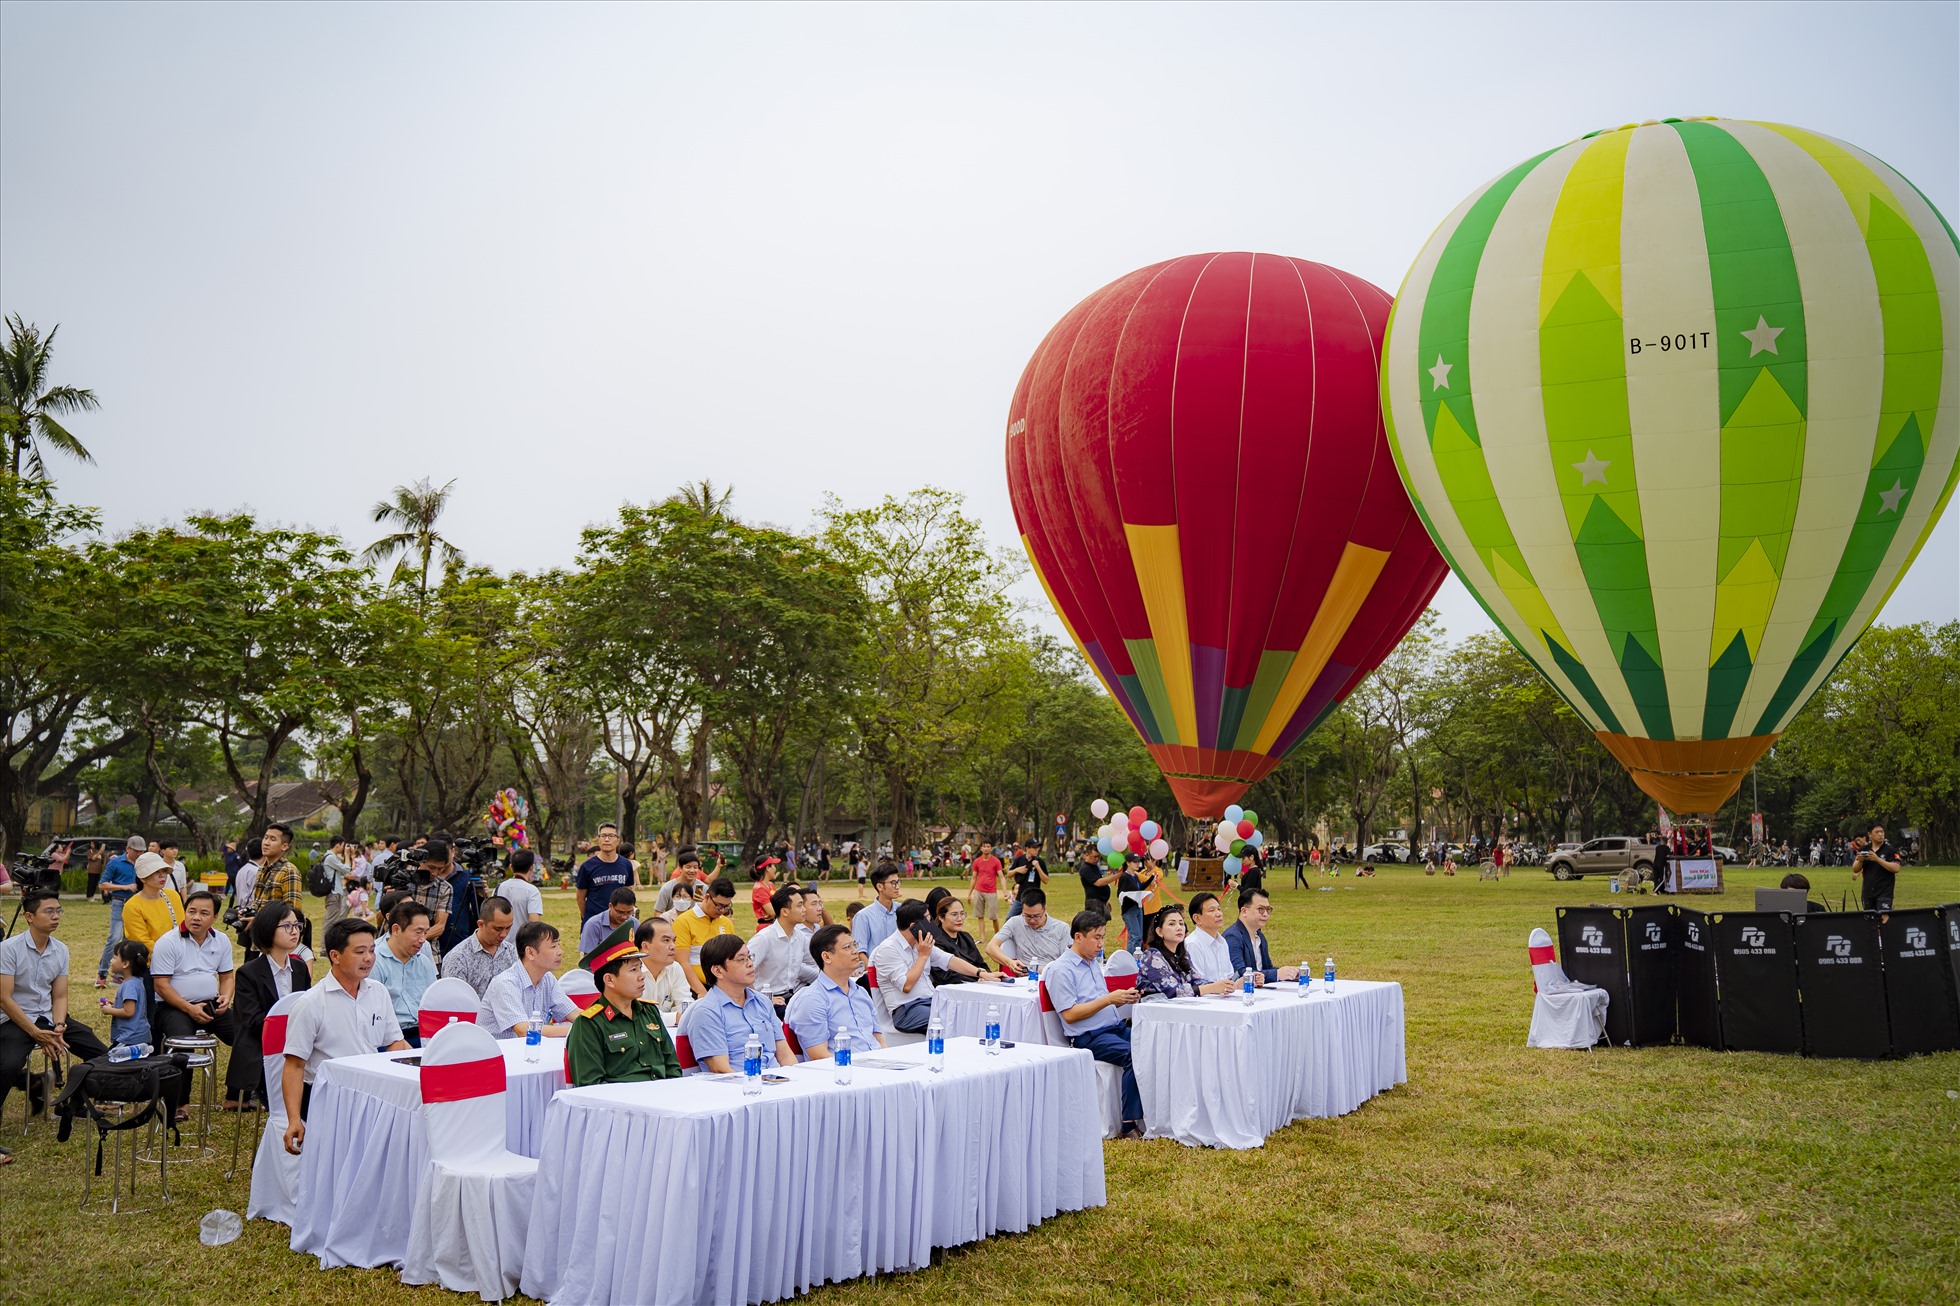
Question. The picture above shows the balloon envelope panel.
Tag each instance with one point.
(1678, 402)
(1202, 480)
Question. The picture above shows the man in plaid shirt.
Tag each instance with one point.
(279, 879)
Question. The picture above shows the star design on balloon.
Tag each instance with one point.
(1440, 374)
(1763, 338)
(1592, 469)
(1890, 498)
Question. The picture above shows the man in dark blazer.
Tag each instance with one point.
(1246, 938)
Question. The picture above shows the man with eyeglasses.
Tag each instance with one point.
(34, 994)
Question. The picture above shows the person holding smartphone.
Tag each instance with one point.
(1879, 865)
(904, 963)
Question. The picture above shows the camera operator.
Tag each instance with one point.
(1879, 865)
(447, 896)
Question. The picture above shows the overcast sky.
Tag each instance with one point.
(577, 255)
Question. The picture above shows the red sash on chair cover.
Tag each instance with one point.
(1115, 982)
(428, 1022)
(1046, 1005)
(273, 1041)
(1539, 956)
(583, 1000)
(684, 1052)
(871, 973)
(789, 1037)
(463, 1080)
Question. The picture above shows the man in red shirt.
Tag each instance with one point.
(983, 895)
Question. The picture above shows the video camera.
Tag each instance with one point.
(31, 872)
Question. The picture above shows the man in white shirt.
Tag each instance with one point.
(1209, 954)
(528, 992)
(1030, 937)
(781, 949)
(179, 873)
(345, 1015)
(192, 971)
(667, 984)
(526, 903)
(904, 963)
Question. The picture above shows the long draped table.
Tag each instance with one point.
(962, 1010)
(365, 1147)
(811, 1181)
(1215, 1073)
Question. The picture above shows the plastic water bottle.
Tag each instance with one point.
(752, 1067)
(1034, 974)
(1330, 976)
(1245, 988)
(840, 1054)
(992, 1040)
(122, 1052)
(935, 1047)
(1306, 979)
(533, 1040)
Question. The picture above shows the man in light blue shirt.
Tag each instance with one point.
(1091, 1012)
(406, 965)
(718, 1025)
(528, 993)
(832, 1002)
(878, 921)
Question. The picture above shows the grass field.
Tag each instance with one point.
(1496, 1174)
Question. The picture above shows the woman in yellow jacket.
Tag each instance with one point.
(154, 909)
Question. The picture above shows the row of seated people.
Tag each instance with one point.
(623, 1037)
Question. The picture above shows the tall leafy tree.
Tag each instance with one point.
(237, 627)
(56, 602)
(32, 406)
(937, 602)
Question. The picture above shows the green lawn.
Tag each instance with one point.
(1496, 1174)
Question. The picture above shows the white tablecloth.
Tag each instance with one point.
(365, 1149)
(812, 1181)
(1214, 1073)
(962, 1010)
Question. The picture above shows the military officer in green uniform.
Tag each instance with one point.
(619, 1039)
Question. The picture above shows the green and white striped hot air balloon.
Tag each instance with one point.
(1678, 403)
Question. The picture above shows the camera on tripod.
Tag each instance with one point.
(31, 872)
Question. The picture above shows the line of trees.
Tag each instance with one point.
(870, 672)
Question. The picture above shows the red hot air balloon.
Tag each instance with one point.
(1201, 477)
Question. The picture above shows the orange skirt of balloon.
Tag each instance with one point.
(1206, 781)
(1691, 776)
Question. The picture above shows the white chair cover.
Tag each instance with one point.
(275, 1171)
(447, 1001)
(1109, 1080)
(473, 1203)
(1566, 1013)
(579, 985)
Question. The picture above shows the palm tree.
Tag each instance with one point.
(29, 406)
(704, 498)
(414, 508)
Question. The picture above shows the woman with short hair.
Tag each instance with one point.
(278, 969)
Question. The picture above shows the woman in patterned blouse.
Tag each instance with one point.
(1163, 970)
